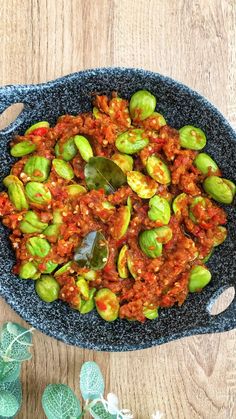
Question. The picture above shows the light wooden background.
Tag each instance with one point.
(192, 41)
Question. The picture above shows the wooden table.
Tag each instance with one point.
(194, 42)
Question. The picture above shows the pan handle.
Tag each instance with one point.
(226, 320)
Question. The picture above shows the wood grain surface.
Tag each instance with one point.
(194, 42)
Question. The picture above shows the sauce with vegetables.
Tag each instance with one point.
(114, 209)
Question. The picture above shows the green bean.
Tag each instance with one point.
(159, 209)
(144, 186)
(158, 170)
(219, 189)
(49, 267)
(124, 220)
(142, 105)
(28, 270)
(131, 265)
(52, 231)
(83, 287)
(84, 147)
(22, 148)
(107, 304)
(38, 246)
(11, 179)
(66, 150)
(158, 120)
(150, 313)
(199, 201)
(220, 236)
(41, 124)
(16, 194)
(37, 168)
(163, 234)
(57, 216)
(149, 244)
(74, 190)
(124, 161)
(199, 278)
(179, 203)
(63, 169)
(192, 138)
(129, 204)
(132, 141)
(63, 269)
(204, 163)
(122, 262)
(31, 223)
(47, 288)
(37, 193)
(87, 306)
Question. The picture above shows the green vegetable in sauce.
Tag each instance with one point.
(92, 252)
(144, 186)
(83, 287)
(37, 168)
(158, 170)
(90, 275)
(149, 243)
(74, 190)
(124, 161)
(132, 141)
(66, 150)
(49, 267)
(38, 246)
(57, 216)
(22, 148)
(199, 278)
(122, 262)
(107, 304)
(28, 270)
(87, 306)
(123, 217)
(41, 124)
(31, 223)
(219, 189)
(102, 173)
(199, 201)
(84, 147)
(158, 120)
(131, 265)
(52, 230)
(142, 105)
(204, 163)
(63, 169)
(192, 138)
(150, 313)
(207, 257)
(63, 269)
(129, 204)
(96, 113)
(179, 203)
(220, 236)
(163, 234)
(11, 179)
(159, 209)
(16, 194)
(47, 288)
(37, 193)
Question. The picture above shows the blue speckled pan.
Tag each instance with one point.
(180, 106)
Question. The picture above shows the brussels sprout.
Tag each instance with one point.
(87, 306)
(131, 265)
(41, 124)
(122, 222)
(11, 179)
(122, 262)
(200, 201)
(199, 278)
(37, 246)
(37, 168)
(37, 193)
(142, 105)
(22, 148)
(158, 170)
(159, 209)
(107, 304)
(132, 141)
(84, 147)
(74, 190)
(220, 236)
(144, 186)
(49, 267)
(28, 270)
(47, 288)
(204, 163)
(17, 196)
(179, 203)
(66, 150)
(52, 230)
(31, 223)
(63, 269)
(83, 287)
(63, 169)
(124, 161)
(129, 204)
(219, 189)
(150, 313)
(192, 138)
(148, 241)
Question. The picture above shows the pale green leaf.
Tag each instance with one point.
(15, 341)
(98, 411)
(15, 389)
(91, 381)
(59, 402)
(9, 371)
(9, 405)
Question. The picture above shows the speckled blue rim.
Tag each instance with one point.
(180, 105)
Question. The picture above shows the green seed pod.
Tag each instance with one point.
(47, 288)
(163, 234)
(90, 275)
(37, 168)
(142, 105)
(107, 304)
(17, 196)
(50, 267)
(231, 185)
(63, 169)
(149, 243)
(37, 246)
(179, 203)
(66, 150)
(199, 278)
(158, 120)
(218, 189)
(83, 287)
(197, 200)
(122, 262)
(131, 266)
(74, 190)
(124, 161)
(57, 216)
(37, 193)
(204, 163)
(11, 179)
(41, 124)
(124, 220)
(159, 209)
(220, 236)
(84, 147)
(132, 141)
(87, 306)
(22, 148)
(52, 230)
(207, 257)
(150, 313)
(63, 269)
(28, 270)
(129, 204)
(192, 138)
(144, 186)
(31, 223)
(158, 170)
